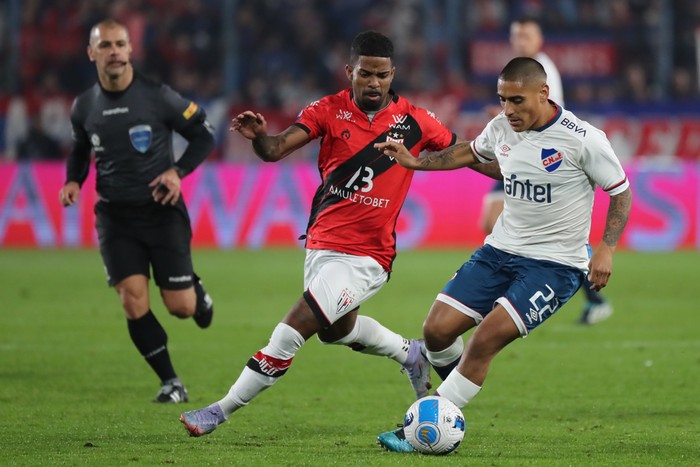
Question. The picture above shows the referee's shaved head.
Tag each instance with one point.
(95, 31)
(524, 70)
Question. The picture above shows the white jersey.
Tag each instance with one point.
(549, 176)
(556, 90)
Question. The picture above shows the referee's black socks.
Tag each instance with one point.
(150, 339)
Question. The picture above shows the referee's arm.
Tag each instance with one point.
(77, 164)
(200, 142)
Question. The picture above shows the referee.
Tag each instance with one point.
(141, 219)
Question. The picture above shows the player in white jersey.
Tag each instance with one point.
(549, 175)
(527, 40)
(538, 254)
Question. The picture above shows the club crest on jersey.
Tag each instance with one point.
(395, 137)
(551, 159)
(141, 137)
(345, 300)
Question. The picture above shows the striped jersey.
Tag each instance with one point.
(549, 175)
(362, 190)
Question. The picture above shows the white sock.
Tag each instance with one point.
(458, 389)
(264, 368)
(370, 337)
(447, 356)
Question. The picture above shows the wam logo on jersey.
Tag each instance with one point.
(551, 159)
(141, 137)
(400, 122)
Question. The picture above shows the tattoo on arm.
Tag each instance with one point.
(264, 146)
(270, 148)
(445, 158)
(618, 213)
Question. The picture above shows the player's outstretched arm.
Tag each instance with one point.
(601, 262)
(453, 157)
(491, 170)
(268, 148)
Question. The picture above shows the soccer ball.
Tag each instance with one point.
(434, 425)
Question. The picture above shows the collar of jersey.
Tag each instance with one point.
(551, 120)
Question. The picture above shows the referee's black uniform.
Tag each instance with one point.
(128, 121)
(130, 133)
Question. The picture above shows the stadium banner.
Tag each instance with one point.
(587, 58)
(260, 205)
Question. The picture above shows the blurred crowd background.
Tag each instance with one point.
(616, 57)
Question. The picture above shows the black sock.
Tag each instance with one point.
(592, 296)
(443, 371)
(150, 339)
(200, 293)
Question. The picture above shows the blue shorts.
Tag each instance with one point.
(530, 290)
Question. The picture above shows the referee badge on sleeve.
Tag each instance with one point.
(141, 137)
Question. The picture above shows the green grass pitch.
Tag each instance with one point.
(74, 391)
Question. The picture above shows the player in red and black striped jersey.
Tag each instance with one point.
(356, 206)
(350, 238)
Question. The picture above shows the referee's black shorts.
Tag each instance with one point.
(134, 238)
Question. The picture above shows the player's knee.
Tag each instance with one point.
(342, 332)
(437, 337)
(135, 304)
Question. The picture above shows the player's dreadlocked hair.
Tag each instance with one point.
(523, 69)
(371, 44)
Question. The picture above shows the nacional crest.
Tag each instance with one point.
(551, 159)
(141, 137)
